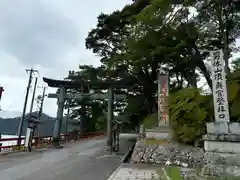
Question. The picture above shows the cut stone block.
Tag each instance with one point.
(222, 147)
(222, 137)
(234, 128)
(221, 170)
(222, 158)
(217, 128)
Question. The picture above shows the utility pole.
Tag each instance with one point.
(1, 90)
(41, 106)
(20, 127)
(41, 98)
(33, 96)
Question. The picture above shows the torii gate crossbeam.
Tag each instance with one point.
(62, 96)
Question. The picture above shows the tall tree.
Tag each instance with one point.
(221, 22)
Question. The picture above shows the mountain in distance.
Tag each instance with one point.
(9, 124)
(9, 114)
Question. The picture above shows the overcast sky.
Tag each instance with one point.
(48, 36)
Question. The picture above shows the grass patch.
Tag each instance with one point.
(150, 121)
(155, 141)
(173, 173)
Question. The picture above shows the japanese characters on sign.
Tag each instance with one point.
(162, 98)
(219, 87)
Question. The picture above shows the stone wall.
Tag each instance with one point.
(210, 163)
(220, 155)
(169, 154)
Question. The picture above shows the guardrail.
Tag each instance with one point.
(43, 141)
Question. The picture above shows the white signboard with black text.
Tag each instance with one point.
(219, 87)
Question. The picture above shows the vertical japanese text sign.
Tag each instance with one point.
(162, 99)
(219, 87)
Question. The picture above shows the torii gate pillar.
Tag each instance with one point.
(58, 122)
(109, 118)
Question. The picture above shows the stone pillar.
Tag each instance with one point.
(58, 122)
(163, 120)
(223, 137)
(109, 118)
(162, 131)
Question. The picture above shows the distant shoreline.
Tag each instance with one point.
(9, 143)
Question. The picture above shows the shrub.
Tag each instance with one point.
(150, 121)
(189, 111)
(234, 99)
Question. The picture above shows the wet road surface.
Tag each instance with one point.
(83, 160)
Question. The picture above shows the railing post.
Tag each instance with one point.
(37, 142)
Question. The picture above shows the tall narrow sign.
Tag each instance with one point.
(162, 100)
(219, 87)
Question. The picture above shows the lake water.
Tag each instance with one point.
(9, 143)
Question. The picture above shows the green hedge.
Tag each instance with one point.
(189, 111)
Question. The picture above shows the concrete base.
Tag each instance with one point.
(108, 149)
(221, 170)
(221, 146)
(231, 159)
(222, 149)
(222, 137)
(223, 128)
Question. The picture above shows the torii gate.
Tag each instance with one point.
(62, 96)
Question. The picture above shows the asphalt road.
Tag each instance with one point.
(85, 160)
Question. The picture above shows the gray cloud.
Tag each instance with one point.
(34, 33)
(47, 35)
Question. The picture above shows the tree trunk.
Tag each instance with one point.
(205, 72)
(226, 50)
(202, 67)
(224, 35)
(192, 79)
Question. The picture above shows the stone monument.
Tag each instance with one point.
(162, 131)
(222, 141)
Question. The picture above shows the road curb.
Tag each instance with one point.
(126, 156)
(114, 173)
